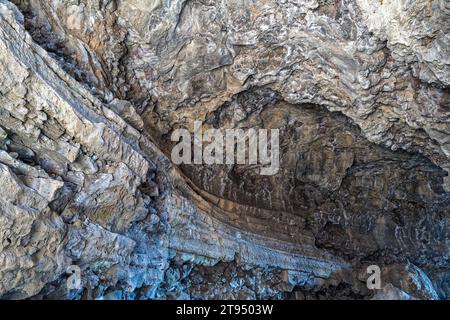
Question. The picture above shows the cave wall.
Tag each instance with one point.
(92, 91)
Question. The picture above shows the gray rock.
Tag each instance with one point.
(91, 92)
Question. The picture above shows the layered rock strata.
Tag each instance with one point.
(91, 92)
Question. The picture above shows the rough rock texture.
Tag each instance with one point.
(91, 91)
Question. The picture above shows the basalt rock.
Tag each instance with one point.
(91, 92)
